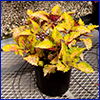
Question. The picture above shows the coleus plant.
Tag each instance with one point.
(49, 39)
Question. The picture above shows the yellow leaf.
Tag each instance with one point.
(41, 14)
(76, 52)
(85, 67)
(72, 43)
(81, 29)
(10, 47)
(54, 61)
(81, 56)
(46, 26)
(45, 44)
(90, 35)
(61, 17)
(56, 35)
(68, 22)
(32, 59)
(60, 27)
(32, 40)
(63, 50)
(62, 67)
(81, 22)
(49, 69)
(71, 36)
(91, 27)
(56, 10)
(36, 28)
(29, 12)
(16, 31)
(41, 63)
(88, 43)
(66, 38)
(69, 12)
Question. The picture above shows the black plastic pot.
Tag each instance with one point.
(95, 13)
(54, 85)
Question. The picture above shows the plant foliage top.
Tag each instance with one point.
(49, 41)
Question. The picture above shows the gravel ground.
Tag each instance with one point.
(13, 13)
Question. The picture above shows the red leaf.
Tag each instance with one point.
(75, 23)
(54, 17)
(43, 22)
(52, 49)
(13, 49)
(22, 41)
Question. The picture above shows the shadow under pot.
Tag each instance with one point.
(95, 12)
(54, 85)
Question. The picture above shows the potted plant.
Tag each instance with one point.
(47, 41)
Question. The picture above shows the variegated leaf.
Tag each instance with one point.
(63, 50)
(72, 43)
(71, 36)
(16, 31)
(88, 43)
(66, 38)
(36, 28)
(56, 35)
(26, 32)
(68, 22)
(10, 47)
(45, 44)
(91, 27)
(39, 52)
(85, 67)
(28, 21)
(49, 69)
(76, 52)
(61, 17)
(66, 58)
(56, 10)
(90, 35)
(54, 61)
(60, 27)
(81, 29)
(32, 40)
(76, 59)
(62, 67)
(32, 59)
(41, 14)
(21, 52)
(46, 26)
(73, 64)
(30, 12)
(21, 41)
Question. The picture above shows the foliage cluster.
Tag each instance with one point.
(49, 41)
